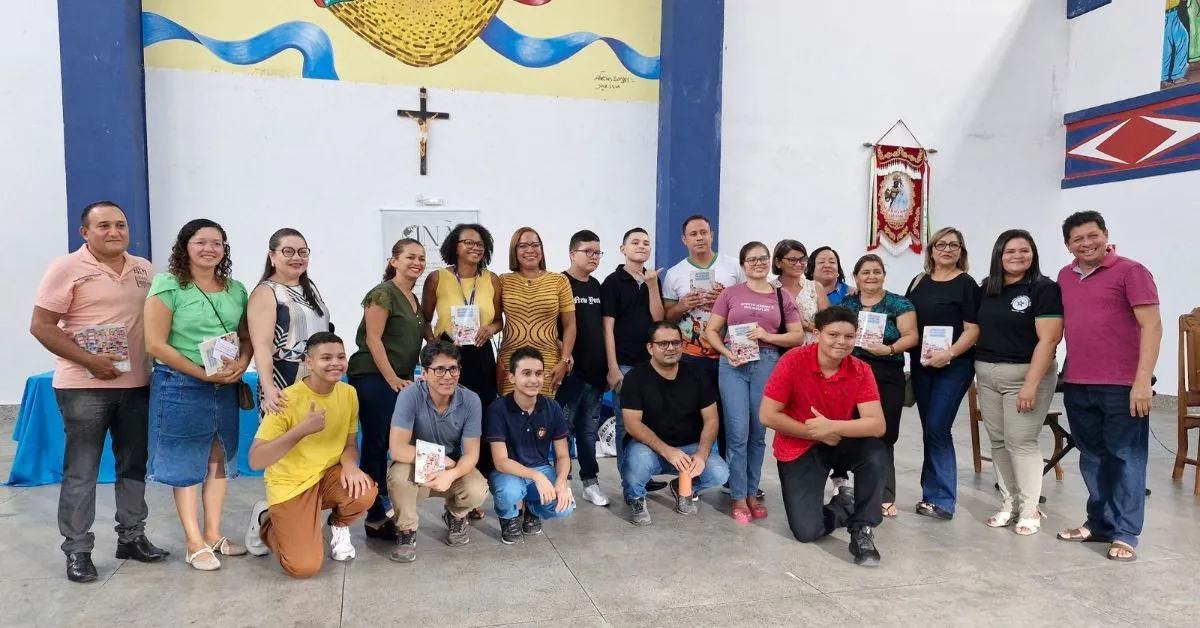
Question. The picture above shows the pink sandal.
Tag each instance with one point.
(759, 511)
(742, 515)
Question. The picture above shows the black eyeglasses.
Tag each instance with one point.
(442, 371)
(667, 344)
(472, 244)
(290, 252)
(796, 261)
(947, 246)
(589, 252)
(529, 245)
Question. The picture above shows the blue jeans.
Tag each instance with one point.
(642, 463)
(619, 423)
(510, 490)
(1113, 448)
(745, 436)
(939, 393)
(376, 404)
(581, 404)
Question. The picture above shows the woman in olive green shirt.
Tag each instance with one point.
(389, 340)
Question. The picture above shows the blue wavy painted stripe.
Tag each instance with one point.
(308, 39)
(534, 52)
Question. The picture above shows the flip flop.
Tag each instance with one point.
(1119, 545)
(889, 510)
(1077, 535)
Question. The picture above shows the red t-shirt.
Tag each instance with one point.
(799, 385)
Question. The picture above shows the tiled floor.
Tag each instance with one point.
(595, 569)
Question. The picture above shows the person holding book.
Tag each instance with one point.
(789, 263)
(809, 401)
(521, 428)
(761, 319)
(689, 291)
(310, 452)
(285, 310)
(584, 386)
(434, 445)
(825, 268)
(1020, 326)
(389, 339)
(1113, 329)
(887, 327)
(946, 300)
(631, 301)
(195, 317)
(101, 387)
(670, 414)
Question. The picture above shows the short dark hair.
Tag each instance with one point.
(1079, 219)
(835, 314)
(781, 250)
(657, 325)
(625, 238)
(582, 236)
(689, 219)
(436, 348)
(750, 246)
(449, 248)
(812, 263)
(87, 211)
(522, 354)
(322, 338)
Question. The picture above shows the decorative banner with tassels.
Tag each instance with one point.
(899, 208)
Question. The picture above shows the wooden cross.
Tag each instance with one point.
(422, 117)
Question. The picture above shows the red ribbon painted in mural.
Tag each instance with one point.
(899, 199)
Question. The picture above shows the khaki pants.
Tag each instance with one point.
(1015, 452)
(293, 529)
(466, 493)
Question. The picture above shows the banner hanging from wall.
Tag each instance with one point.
(899, 209)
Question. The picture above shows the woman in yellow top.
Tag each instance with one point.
(536, 303)
(467, 288)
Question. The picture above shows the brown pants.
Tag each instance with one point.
(465, 494)
(293, 528)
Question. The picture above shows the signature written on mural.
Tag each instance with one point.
(606, 82)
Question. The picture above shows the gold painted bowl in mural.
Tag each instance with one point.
(420, 33)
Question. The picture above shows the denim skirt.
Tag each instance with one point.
(186, 416)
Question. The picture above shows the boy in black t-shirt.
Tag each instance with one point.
(670, 415)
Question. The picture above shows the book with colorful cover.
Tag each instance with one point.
(870, 329)
(464, 324)
(702, 279)
(740, 345)
(431, 459)
(107, 339)
(935, 338)
(214, 350)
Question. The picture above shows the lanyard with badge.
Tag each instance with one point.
(464, 319)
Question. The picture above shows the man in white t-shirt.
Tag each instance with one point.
(689, 290)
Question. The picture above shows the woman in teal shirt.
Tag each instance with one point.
(193, 431)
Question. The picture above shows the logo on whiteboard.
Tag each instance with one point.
(1021, 303)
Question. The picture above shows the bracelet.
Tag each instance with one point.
(891, 349)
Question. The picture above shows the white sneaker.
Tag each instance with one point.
(340, 547)
(254, 542)
(593, 493)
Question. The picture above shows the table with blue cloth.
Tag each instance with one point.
(41, 440)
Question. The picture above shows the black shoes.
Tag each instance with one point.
(385, 531)
(531, 524)
(510, 530)
(80, 567)
(655, 485)
(862, 547)
(141, 550)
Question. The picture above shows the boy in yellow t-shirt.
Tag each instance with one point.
(310, 452)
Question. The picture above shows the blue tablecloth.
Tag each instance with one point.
(41, 441)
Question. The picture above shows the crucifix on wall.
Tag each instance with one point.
(422, 117)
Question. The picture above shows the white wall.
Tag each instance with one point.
(1115, 52)
(258, 153)
(31, 175)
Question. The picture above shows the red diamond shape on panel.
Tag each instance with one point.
(1138, 137)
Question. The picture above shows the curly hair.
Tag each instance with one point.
(449, 247)
(180, 264)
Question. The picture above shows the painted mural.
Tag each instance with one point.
(1181, 43)
(583, 49)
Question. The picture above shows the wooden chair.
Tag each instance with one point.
(1062, 438)
(1189, 392)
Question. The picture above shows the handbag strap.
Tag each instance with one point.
(782, 318)
(914, 283)
(214, 309)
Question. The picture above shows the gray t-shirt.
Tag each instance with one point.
(463, 419)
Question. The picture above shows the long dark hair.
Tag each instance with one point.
(389, 273)
(812, 263)
(995, 279)
(781, 250)
(180, 264)
(449, 248)
(306, 285)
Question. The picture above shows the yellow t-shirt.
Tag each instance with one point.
(302, 467)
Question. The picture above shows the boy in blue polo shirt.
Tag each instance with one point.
(519, 429)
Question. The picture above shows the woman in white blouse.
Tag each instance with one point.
(788, 264)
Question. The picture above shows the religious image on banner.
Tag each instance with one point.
(899, 199)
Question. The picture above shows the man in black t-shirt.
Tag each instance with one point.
(670, 414)
(582, 389)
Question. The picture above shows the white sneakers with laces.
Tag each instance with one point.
(340, 547)
(254, 542)
(593, 493)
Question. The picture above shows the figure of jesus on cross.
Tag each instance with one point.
(422, 117)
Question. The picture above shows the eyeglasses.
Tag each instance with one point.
(208, 244)
(442, 371)
(471, 244)
(289, 252)
(947, 246)
(531, 246)
(667, 344)
(589, 252)
(796, 261)
(758, 261)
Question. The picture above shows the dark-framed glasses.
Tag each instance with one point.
(290, 252)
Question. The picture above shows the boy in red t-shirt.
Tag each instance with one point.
(809, 401)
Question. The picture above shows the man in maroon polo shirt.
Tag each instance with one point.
(809, 401)
(1113, 331)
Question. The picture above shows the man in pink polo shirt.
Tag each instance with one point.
(88, 312)
(1113, 332)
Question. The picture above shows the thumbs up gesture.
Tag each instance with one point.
(314, 421)
(822, 429)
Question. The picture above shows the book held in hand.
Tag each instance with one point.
(107, 339)
(870, 329)
(936, 338)
(213, 350)
(702, 279)
(464, 324)
(431, 459)
(740, 345)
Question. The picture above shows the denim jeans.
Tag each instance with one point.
(510, 490)
(89, 414)
(745, 436)
(581, 404)
(939, 393)
(186, 416)
(642, 463)
(376, 404)
(1113, 448)
(619, 424)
